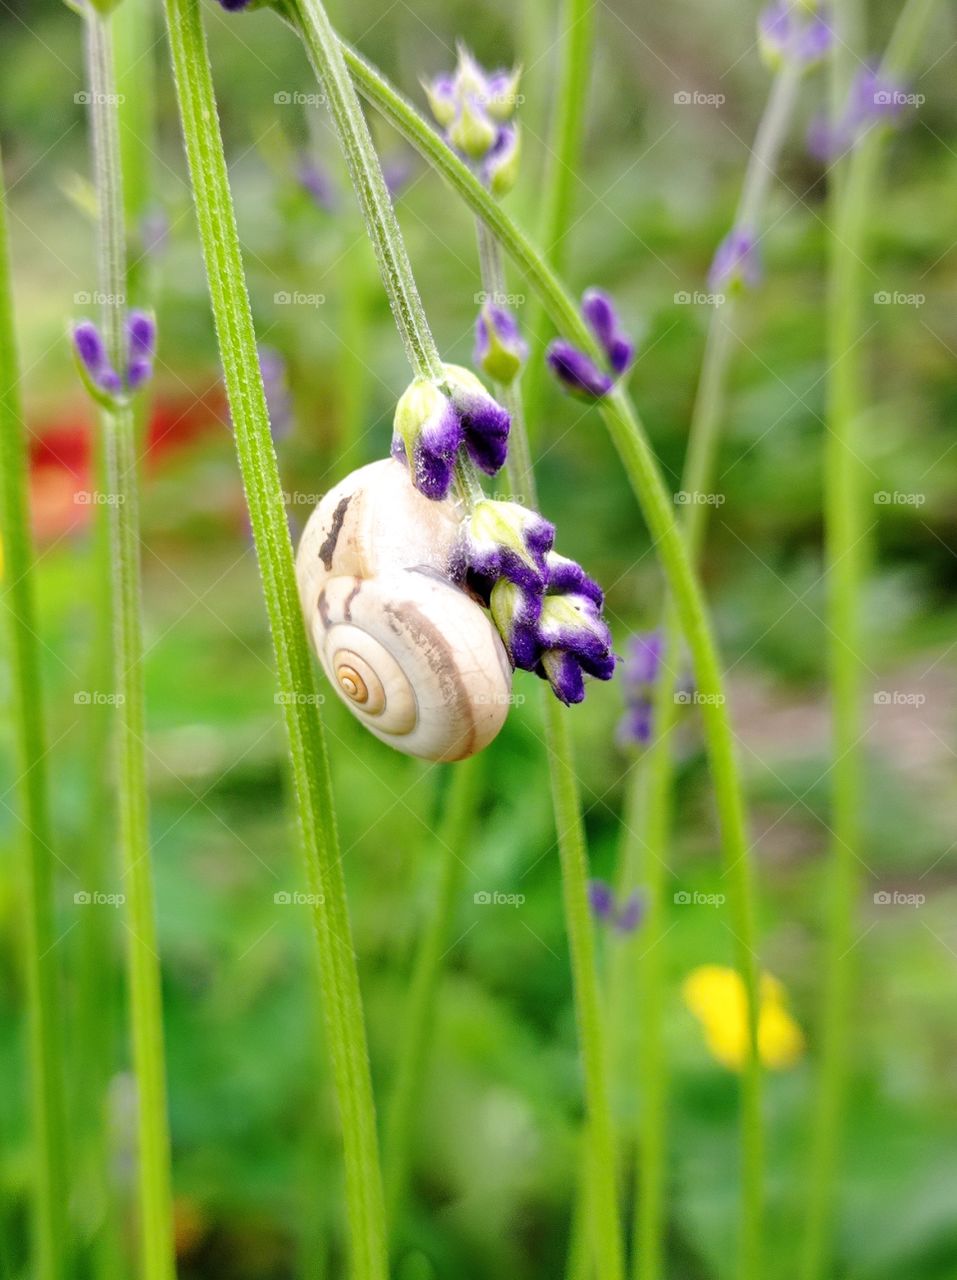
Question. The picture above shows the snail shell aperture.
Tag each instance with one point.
(413, 656)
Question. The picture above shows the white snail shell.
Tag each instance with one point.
(413, 656)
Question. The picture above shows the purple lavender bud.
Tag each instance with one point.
(500, 349)
(505, 540)
(736, 263)
(602, 899)
(430, 430)
(140, 348)
(91, 353)
(601, 317)
(564, 674)
(634, 729)
(316, 182)
(631, 914)
(787, 30)
(516, 611)
(442, 98)
(576, 371)
(499, 168)
(566, 577)
(484, 423)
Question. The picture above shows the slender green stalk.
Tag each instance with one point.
(845, 525)
(121, 459)
(698, 478)
(45, 1047)
(577, 25)
(601, 1208)
(419, 1021)
(338, 976)
(601, 1200)
(644, 476)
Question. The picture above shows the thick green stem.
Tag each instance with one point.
(644, 476)
(121, 464)
(40, 953)
(338, 976)
(846, 535)
(419, 1021)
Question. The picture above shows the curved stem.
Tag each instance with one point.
(32, 784)
(337, 972)
(846, 534)
(645, 478)
(312, 21)
(121, 464)
(419, 1021)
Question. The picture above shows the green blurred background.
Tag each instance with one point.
(255, 1144)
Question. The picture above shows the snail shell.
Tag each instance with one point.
(413, 656)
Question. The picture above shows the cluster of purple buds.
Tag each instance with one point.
(794, 29)
(475, 108)
(873, 99)
(625, 917)
(434, 421)
(546, 608)
(500, 349)
(576, 371)
(640, 671)
(736, 264)
(106, 384)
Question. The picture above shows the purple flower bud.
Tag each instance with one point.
(736, 263)
(565, 577)
(500, 349)
(872, 99)
(786, 29)
(499, 168)
(631, 913)
(601, 317)
(484, 423)
(140, 348)
(602, 899)
(316, 182)
(428, 435)
(505, 540)
(641, 669)
(91, 354)
(577, 372)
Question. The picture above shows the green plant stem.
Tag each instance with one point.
(601, 1208)
(338, 976)
(846, 534)
(577, 25)
(419, 1022)
(121, 459)
(45, 1047)
(697, 478)
(312, 22)
(643, 474)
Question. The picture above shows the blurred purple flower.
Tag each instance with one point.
(872, 99)
(626, 917)
(97, 370)
(788, 29)
(736, 263)
(640, 671)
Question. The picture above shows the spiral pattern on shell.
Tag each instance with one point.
(415, 658)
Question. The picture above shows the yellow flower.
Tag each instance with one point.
(716, 996)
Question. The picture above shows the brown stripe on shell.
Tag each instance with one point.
(327, 550)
